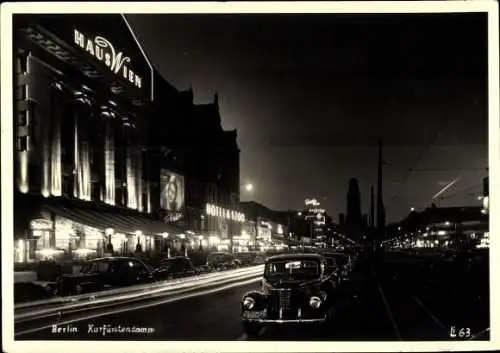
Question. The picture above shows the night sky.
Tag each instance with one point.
(311, 94)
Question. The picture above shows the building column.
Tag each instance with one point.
(45, 144)
(83, 177)
(109, 157)
(149, 207)
(132, 166)
(129, 169)
(55, 140)
(22, 111)
(138, 179)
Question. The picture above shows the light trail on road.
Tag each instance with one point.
(30, 313)
(142, 306)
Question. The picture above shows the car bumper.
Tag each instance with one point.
(287, 321)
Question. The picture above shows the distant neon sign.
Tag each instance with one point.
(104, 51)
(312, 202)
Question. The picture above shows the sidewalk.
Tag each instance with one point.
(27, 287)
(31, 291)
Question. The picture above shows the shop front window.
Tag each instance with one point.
(91, 243)
(42, 238)
(62, 243)
(152, 244)
(20, 251)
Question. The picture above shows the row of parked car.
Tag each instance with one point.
(113, 272)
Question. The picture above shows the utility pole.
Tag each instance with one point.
(380, 201)
(372, 209)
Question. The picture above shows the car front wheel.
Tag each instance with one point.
(251, 329)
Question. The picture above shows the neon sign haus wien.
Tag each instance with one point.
(104, 51)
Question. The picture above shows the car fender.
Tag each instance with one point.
(254, 293)
(259, 297)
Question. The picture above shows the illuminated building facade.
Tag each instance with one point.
(442, 227)
(265, 229)
(312, 225)
(107, 151)
(83, 92)
(188, 140)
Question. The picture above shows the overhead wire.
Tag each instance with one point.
(419, 159)
(472, 187)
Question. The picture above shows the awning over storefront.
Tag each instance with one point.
(103, 220)
(95, 215)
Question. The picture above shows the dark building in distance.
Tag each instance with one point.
(354, 220)
(341, 219)
(108, 155)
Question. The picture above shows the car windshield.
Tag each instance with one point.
(340, 258)
(168, 262)
(95, 267)
(330, 262)
(292, 269)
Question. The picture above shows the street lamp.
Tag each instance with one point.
(248, 186)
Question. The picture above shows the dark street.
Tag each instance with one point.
(405, 298)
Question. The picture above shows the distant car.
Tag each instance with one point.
(295, 289)
(343, 262)
(104, 273)
(332, 268)
(245, 258)
(250, 258)
(222, 261)
(174, 267)
(259, 259)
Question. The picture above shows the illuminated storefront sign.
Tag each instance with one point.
(216, 211)
(311, 202)
(316, 210)
(104, 51)
(172, 198)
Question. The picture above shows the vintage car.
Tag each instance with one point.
(295, 289)
(104, 273)
(250, 258)
(222, 261)
(174, 267)
(343, 262)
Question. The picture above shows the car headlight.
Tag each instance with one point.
(249, 303)
(315, 302)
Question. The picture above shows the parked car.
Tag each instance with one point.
(245, 258)
(259, 259)
(295, 289)
(332, 268)
(174, 267)
(250, 258)
(343, 262)
(222, 261)
(105, 273)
